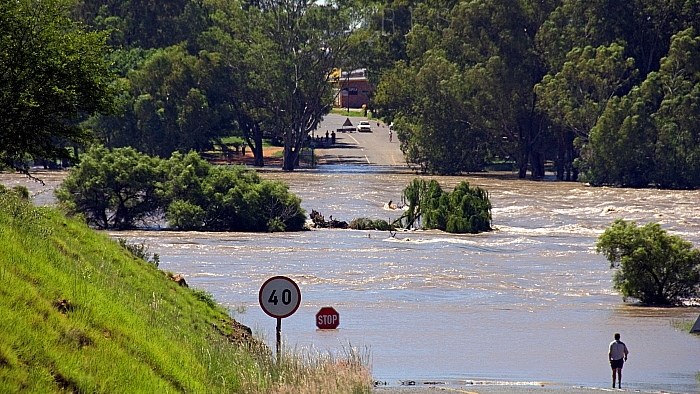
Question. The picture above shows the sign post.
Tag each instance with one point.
(279, 297)
(327, 318)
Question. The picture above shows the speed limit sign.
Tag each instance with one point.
(279, 297)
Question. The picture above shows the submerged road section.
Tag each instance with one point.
(359, 148)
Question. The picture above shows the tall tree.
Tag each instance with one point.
(576, 96)
(433, 109)
(650, 135)
(307, 40)
(678, 118)
(52, 74)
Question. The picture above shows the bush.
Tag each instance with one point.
(652, 266)
(114, 189)
(19, 191)
(464, 210)
(369, 224)
(185, 215)
(119, 188)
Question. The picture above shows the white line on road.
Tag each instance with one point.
(363, 149)
(353, 138)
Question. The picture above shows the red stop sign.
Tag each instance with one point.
(327, 318)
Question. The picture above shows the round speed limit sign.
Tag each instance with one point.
(279, 297)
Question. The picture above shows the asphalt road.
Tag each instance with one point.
(358, 148)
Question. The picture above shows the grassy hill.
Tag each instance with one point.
(80, 313)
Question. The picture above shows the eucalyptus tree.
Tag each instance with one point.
(433, 109)
(650, 136)
(575, 97)
(52, 74)
(492, 46)
(302, 44)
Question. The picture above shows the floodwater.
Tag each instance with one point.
(528, 302)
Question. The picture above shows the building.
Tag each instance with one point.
(352, 88)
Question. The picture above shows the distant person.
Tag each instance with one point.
(391, 135)
(333, 137)
(617, 356)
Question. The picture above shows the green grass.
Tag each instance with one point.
(80, 313)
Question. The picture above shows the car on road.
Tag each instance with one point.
(364, 127)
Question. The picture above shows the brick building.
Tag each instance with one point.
(352, 88)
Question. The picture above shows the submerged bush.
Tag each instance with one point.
(369, 224)
(652, 266)
(464, 210)
(120, 188)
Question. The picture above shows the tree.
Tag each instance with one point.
(114, 189)
(307, 40)
(652, 266)
(464, 210)
(491, 47)
(575, 97)
(677, 120)
(52, 74)
(121, 188)
(145, 23)
(650, 135)
(433, 110)
(199, 196)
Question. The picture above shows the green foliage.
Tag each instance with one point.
(184, 215)
(464, 210)
(433, 111)
(136, 23)
(140, 251)
(18, 191)
(369, 224)
(201, 196)
(53, 74)
(465, 83)
(81, 314)
(122, 188)
(116, 188)
(651, 135)
(652, 266)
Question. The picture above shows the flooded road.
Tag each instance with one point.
(529, 302)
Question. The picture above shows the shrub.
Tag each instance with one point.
(114, 189)
(369, 224)
(464, 210)
(185, 215)
(120, 188)
(652, 266)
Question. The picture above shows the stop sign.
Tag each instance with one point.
(327, 318)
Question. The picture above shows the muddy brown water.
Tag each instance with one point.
(528, 302)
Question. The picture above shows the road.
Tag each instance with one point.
(359, 148)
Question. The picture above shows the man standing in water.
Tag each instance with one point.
(617, 356)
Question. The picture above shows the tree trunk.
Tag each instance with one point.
(290, 159)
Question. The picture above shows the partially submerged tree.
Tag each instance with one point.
(113, 189)
(121, 188)
(652, 266)
(464, 210)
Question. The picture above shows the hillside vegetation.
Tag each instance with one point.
(81, 314)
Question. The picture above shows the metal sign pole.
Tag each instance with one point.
(279, 297)
(279, 338)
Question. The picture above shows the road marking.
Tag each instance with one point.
(363, 149)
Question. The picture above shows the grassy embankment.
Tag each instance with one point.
(80, 313)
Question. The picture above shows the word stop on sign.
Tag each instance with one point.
(327, 319)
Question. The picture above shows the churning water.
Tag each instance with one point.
(528, 302)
